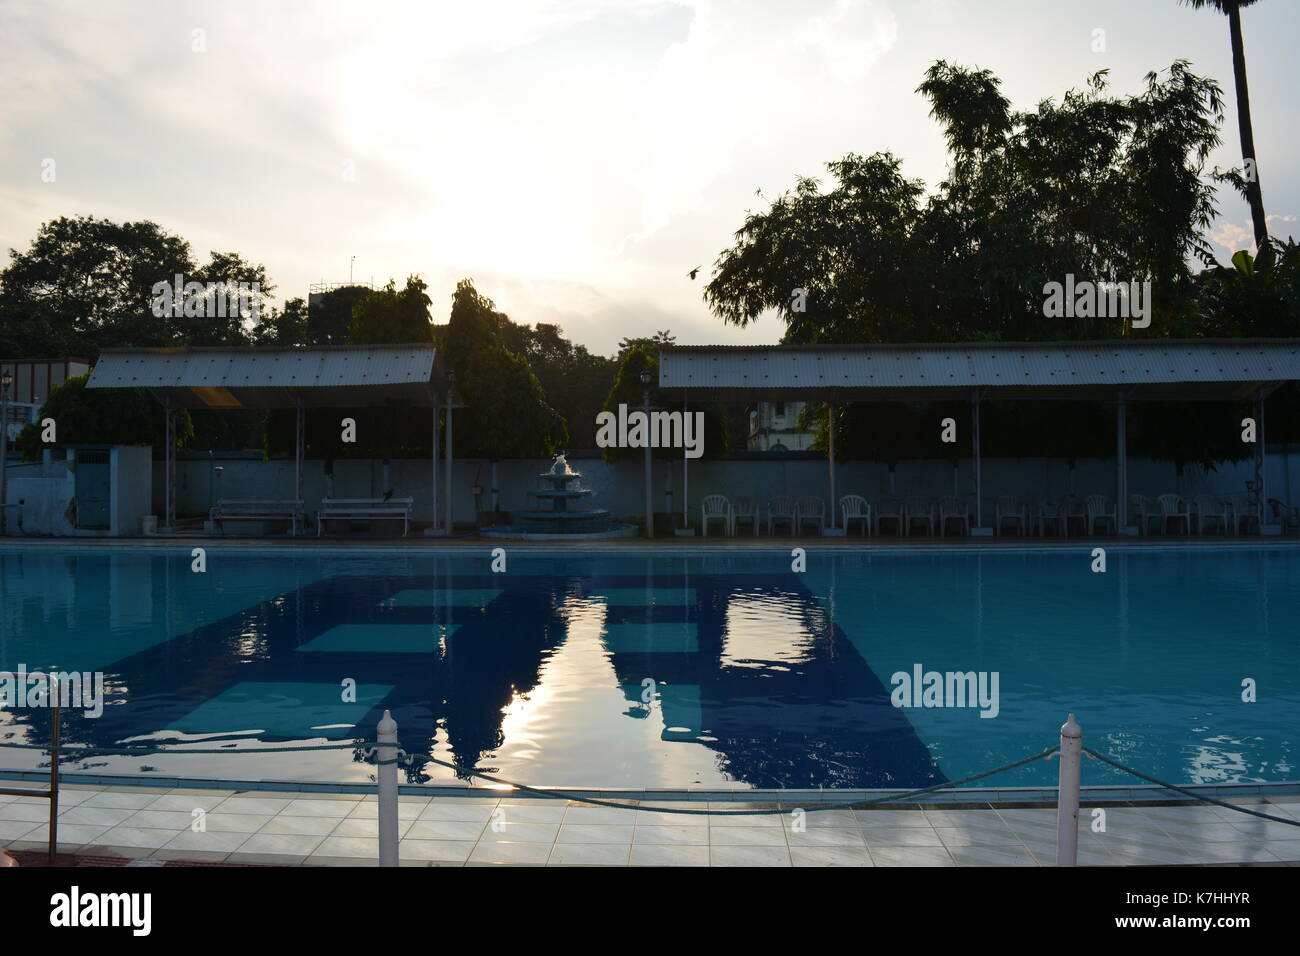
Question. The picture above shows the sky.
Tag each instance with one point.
(575, 158)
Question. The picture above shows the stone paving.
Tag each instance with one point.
(283, 828)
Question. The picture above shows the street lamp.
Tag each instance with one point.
(451, 385)
(6, 383)
(649, 503)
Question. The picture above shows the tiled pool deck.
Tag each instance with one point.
(260, 827)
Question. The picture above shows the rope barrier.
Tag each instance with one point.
(77, 753)
(148, 751)
(372, 746)
(887, 798)
(1177, 789)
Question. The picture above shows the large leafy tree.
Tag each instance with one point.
(86, 284)
(507, 414)
(574, 381)
(1109, 188)
(1250, 184)
(629, 390)
(392, 316)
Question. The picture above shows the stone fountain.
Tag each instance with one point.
(560, 488)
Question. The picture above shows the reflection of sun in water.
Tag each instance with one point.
(764, 630)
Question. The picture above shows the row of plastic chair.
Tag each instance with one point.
(1225, 513)
(1024, 516)
(794, 513)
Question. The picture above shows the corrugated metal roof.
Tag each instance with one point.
(1195, 368)
(323, 377)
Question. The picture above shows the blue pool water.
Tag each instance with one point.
(762, 677)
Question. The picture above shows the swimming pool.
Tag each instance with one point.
(667, 670)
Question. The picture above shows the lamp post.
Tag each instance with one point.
(649, 502)
(6, 383)
(446, 491)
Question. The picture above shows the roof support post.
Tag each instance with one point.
(169, 468)
(451, 378)
(1260, 499)
(1121, 462)
(299, 448)
(975, 446)
(686, 488)
(830, 458)
(433, 475)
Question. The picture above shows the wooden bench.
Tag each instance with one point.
(352, 508)
(232, 509)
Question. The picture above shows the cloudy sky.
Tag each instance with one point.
(576, 158)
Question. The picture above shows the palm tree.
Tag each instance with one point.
(1232, 8)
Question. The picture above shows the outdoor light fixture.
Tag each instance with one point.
(6, 382)
(645, 377)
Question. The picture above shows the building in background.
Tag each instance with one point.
(774, 426)
(33, 381)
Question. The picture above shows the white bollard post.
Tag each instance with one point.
(1067, 796)
(387, 774)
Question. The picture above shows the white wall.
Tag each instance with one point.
(618, 487)
(131, 473)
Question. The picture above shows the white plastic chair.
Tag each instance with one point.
(715, 507)
(1145, 513)
(1243, 512)
(952, 508)
(1101, 508)
(856, 508)
(810, 508)
(744, 508)
(1211, 507)
(1173, 506)
(1007, 508)
(1288, 516)
(1051, 513)
(890, 509)
(918, 508)
(781, 508)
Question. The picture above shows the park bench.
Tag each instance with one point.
(361, 508)
(232, 509)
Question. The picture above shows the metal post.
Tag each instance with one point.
(433, 485)
(830, 428)
(686, 498)
(1260, 500)
(5, 379)
(1121, 457)
(649, 494)
(1067, 797)
(169, 470)
(386, 758)
(56, 722)
(299, 453)
(975, 441)
(446, 492)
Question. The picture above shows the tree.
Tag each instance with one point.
(1232, 9)
(390, 317)
(111, 416)
(628, 390)
(507, 414)
(87, 284)
(574, 381)
(1102, 187)
(330, 314)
